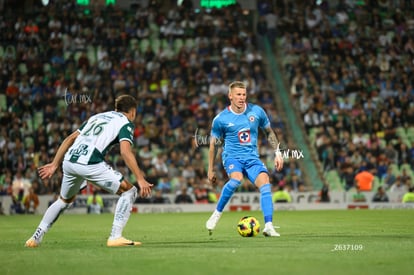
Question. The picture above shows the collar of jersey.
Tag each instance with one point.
(231, 110)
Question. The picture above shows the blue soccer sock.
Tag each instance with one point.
(226, 193)
(266, 202)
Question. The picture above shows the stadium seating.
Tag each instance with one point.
(312, 61)
(334, 181)
(292, 56)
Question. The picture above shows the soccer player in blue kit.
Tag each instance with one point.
(238, 127)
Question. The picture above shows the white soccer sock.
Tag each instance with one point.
(50, 216)
(122, 212)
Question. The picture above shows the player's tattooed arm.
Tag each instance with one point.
(213, 150)
(217, 145)
(275, 143)
(272, 138)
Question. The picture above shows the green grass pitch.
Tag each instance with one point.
(311, 242)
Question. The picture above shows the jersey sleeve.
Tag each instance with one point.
(126, 133)
(264, 119)
(82, 126)
(216, 128)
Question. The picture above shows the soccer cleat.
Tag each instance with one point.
(31, 243)
(36, 239)
(212, 221)
(269, 231)
(121, 242)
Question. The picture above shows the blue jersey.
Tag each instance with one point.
(240, 131)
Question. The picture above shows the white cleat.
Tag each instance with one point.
(212, 221)
(269, 231)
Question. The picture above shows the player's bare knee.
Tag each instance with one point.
(262, 179)
(124, 186)
(237, 176)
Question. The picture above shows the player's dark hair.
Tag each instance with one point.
(237, 84)
(124, 103)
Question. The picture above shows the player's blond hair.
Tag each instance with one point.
(237, 84)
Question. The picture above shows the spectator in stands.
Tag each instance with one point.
(408, 182)
(16, 206)
(398, 186)
(20, 185)
(295, 184)
(311, 119)
(201, 193)
(164, 185)
(409, 196)
(364, 180)
(246, 186)
(94, 203)
(358, 196)
(404, 175)
(324, 193)
(159, 197)
(390, 153)
(67, 48)
(380, 195)
(31, 202)
(389, 178)
(5, 182)
(365, 89)
(280, 194)
(183, 197)
(348, 177)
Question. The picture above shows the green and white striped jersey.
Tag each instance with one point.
(97, 135)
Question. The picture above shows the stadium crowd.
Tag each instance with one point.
(351, 69)
(62, 63)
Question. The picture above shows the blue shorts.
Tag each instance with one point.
(250, 168)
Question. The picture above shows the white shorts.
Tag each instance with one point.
(100, 174)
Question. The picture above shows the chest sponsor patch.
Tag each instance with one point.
(244, 136)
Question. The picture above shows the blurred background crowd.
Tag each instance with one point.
(348, 66)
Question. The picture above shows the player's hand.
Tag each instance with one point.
(212, 177)
(145, 188)
(47, 171)
(278, 161)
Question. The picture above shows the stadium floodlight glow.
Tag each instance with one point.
(209, 4)
(45, 2)
(83, 2)
(87, 2)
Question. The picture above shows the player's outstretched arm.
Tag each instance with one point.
(131, 162)
(274, 142)
(47, 171)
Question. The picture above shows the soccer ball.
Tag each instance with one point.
(248, 226)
